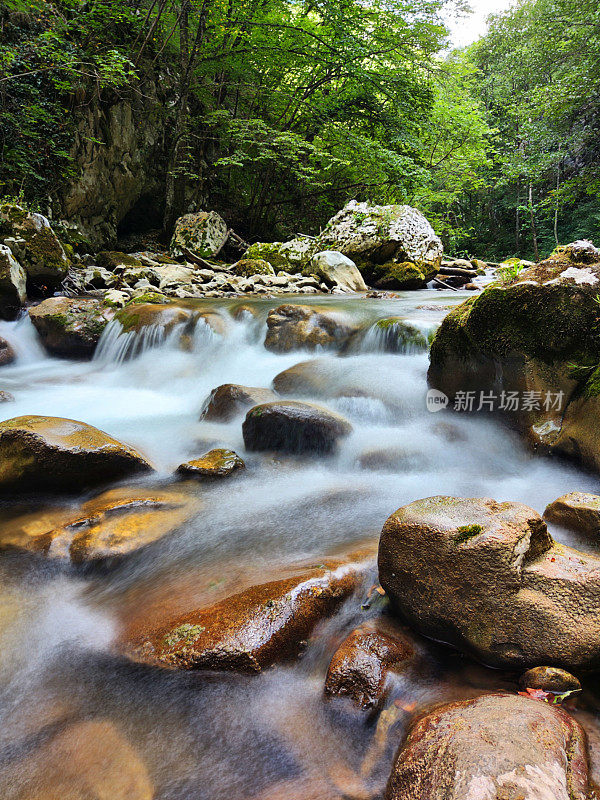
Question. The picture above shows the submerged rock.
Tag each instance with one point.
(487, 578)
(495, 746)
(293, 327)
(13, 284)
(202, 233)
(7, 354)
(360, 666)
(231, 400)
(62, 455)
(70, 327)
(292, 427)
(35, 246)
(338, 270)
(250, 630)
(218, 463)
(579, 511)
(112, 525)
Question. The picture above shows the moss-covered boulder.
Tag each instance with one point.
(203, 233)
(116, 260)
(294, 255)
(252, 266)
(487, 578)
(398, 275)
(395, 335)
(70, 327)
(35, 245)
(13, 284)
(218, 463)
(62, 455)
(536, 333)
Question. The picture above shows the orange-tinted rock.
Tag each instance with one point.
(291, 327)
(291, 427)
(89, 760)
(51, 453)
(230, 400)
(112, 525)
(250, 630)
(550, 679)
(495, 747)
(218, 463)
(360, 666)
(579, 511)
(7, 354)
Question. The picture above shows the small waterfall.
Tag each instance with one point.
(117, 345)
(395, 336)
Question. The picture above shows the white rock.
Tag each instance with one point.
(338, 270)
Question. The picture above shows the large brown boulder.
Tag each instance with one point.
(579, 511)
(62, 455)
(250, 630)
(112, 525)
(494, 747)
(293, 327)
(291, 427)
(359, 667)
(487, 578)
(534, 333)
(70, 327)
(202, 233)
(231, 400)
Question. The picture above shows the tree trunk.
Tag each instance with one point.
(533, 226)
(556, 204)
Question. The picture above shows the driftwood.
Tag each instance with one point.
(460, 271)
(445, 285)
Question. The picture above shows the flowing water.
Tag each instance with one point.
(142, 733)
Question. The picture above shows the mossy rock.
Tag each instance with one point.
(70, 327)
(400, 337)
(392, 275)
(150, 297)
(252, 266)
(113, 259)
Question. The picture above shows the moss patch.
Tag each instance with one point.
(183, 634)
(466, 532)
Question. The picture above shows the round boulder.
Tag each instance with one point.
(495, 746)
(550, 679)
(218, 463)
(291, 427)
(62, 455)
(230, 399)
(70, 327)
(336, 269)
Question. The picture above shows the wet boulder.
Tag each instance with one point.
(231, 400)
(292, 427)
(579, 511)
(495, 746)
(203, 233)
(487, 578)
(70, 327)
(401, 275)
(251, 630)
(359, 667)
(295, 327)
(7, 354)
(115, 524)
(337, 270)
(34, 245)
(61, 455)
(395, 335)
(218, 463)
(549, 679)
(380, 234)
(306, 379)
(13, 284)
(534, 333)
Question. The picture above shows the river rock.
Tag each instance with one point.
(338, 270)
(360, 666)
(380, 234)
(395, 335)
(250, 630)
(292, 327)
(35, 246)
(291, 427)
(487, 578)
(86, 760)
(293, 255)
(533, 333)
(401, 275)
(231, 400)
(116, 261)
(550, 679)
(494, 746)
(219, 463)
(13, 284)
(203, 234)
(579, 511)
(252, 266)
(62, 455)
(70, 327)
(108, 527)
(7, 354)
(306, 379)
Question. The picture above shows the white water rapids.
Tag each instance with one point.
(202, 738)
